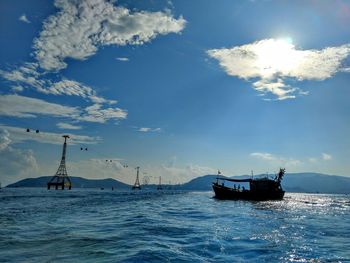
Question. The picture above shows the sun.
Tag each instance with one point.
(276, 55)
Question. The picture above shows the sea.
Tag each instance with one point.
(37, 225)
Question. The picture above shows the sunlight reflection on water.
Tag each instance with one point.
(108, 226)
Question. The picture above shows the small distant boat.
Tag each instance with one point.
(260, 188)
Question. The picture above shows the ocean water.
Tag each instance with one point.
(37, 225)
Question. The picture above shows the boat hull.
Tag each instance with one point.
(227, 193)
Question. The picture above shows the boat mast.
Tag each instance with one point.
(160, 183)
(217, 177)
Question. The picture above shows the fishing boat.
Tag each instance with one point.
(259, 188)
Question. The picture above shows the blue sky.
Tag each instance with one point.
(180, 88)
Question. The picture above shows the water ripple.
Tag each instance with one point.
(37, 225)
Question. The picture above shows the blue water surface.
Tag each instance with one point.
(37, 225)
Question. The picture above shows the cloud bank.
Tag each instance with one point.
(81, 27)
(4, 139)
(270, 63)
(15, 163)
(18, 135)
(28, 76)
(26, 107)
(99, 168)
(277, 160)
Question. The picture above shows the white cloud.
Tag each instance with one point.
(122, 59)
(19, 135)
(4, 139)
(26, 74)
(14, 163)
(177, 174)
(20, 106)
(25, 107)
(70, 88)
(24, 19)
(145, 129)
(74, 88)
(264, 156)
(17, 88)
(17, 164)
(276, 160)
(96, 113)
(326, 157)
(80, 27)
(270, 62)
(68, 126)
(29, 76)
(323, 157)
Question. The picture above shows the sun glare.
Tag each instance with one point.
(277, 55)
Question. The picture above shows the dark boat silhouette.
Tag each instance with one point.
(260, 188)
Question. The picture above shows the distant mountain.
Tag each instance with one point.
(315, 182)
(77, 182)
(202, 183)
(292, 182)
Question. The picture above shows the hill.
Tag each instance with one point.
(292, 182)
(77, 182)
(316, 183)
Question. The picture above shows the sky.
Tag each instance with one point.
(179, 88)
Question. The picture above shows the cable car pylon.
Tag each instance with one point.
(137, 182)
(61, 179)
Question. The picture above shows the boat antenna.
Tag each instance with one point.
(252, 174)
(217, 177)
(281, 174)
